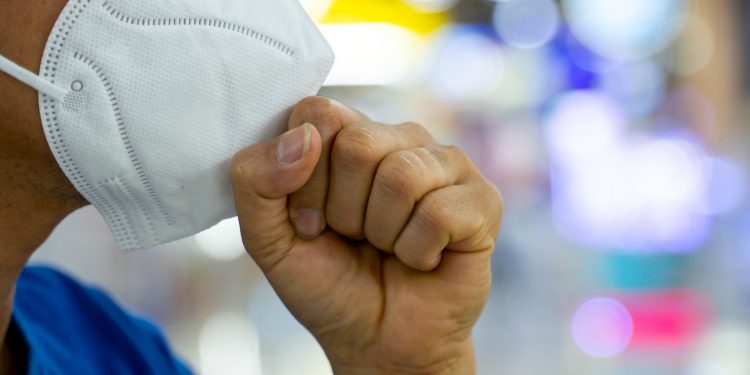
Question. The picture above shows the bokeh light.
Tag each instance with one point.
(371, 53)
(666, 319)
(286, 347)
(223, 242)
(229, 345)
(527, 23)
(584, 128)
(638, 87)
(728, 185)
(625, 30)
(602, 327)
(694, 48)
(468, 65)
(618, 189)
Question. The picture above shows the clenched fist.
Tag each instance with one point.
(376, 238)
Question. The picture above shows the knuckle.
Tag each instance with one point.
(355, 149)
(498, 209)
(398, 175)
(347, 226)
(455, 153)
(239, 170)
(422, 262)
(414, 257)
(497, 197)
(418, 129)
(311, 103)
(320, 112)
(433, 215)
(377, 240)
(454, 161)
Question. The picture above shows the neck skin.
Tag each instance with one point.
(34, 193)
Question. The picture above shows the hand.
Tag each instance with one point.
(376, 238)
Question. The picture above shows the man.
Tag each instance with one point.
(375, 237)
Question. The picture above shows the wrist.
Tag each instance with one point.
(457, 361)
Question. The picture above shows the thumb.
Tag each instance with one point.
(263, 176)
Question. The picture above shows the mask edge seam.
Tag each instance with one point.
(125, 138)
(48, 110)
(205, 22)
(122, 228)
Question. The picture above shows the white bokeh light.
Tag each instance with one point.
(468, 66)
(527, 23)
(585, 127)
(667, 171)
(222, 242)
(369, 54)
(229, 345)
(286, 346)
(625, 30)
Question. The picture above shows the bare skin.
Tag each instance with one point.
(401, 299)
(34, 195)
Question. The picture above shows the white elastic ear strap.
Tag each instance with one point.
(31, 79)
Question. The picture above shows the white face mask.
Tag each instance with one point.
(144, 102)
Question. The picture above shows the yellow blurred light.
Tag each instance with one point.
(385, 11)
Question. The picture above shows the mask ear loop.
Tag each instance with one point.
(31, 79)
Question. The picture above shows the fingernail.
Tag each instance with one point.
(294, 145)
(308, 223)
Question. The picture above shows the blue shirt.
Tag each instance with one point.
(62, 327)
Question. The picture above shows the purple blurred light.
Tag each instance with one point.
(613, 190)
(602, 327)
(583, 127)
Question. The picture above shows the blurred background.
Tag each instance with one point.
(616, 130)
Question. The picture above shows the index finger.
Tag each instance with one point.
(307, 205)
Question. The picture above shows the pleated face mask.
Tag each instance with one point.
(144, 102)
